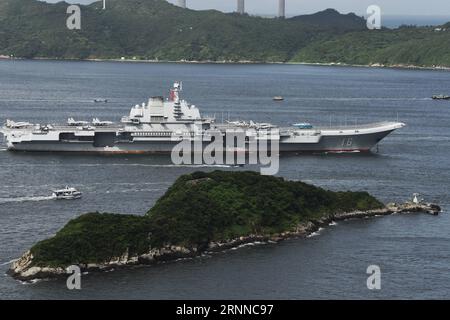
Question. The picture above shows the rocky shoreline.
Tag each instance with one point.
(23, 269)
(249, 62)
(374, 65)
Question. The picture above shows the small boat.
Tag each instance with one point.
(66, 194)
(100, 100)
(440, 97)
(278, 98)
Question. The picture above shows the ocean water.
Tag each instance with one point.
(412, 251)
(394, 21)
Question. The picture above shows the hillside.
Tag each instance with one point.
(149, 29)
(404, 46)
(197, 213)
(158, 30)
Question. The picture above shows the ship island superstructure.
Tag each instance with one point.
(160, 124)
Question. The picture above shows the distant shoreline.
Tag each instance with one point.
(246, 62)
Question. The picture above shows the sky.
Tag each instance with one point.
(296, 7)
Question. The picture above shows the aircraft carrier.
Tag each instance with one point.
(160, 124)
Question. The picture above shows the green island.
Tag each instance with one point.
(155, 30)
(201, 212)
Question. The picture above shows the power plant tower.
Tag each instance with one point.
(241, 6)
(281, 8)
(182, 3)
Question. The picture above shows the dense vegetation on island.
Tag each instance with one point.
(157, 30)
(197, 209)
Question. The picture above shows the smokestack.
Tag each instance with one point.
(182, 3)
(241, 6)
(281, 8)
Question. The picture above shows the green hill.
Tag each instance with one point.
(198, 210)
(332, 19)
(403, 46)
(157, 30)
(149, 29)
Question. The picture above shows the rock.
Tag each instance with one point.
(213, 245)
(197, 181)
(22, 263)
(23, 270)
(276, 239)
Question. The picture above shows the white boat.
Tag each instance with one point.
(441, 97)
(99, 100)
(66, 194)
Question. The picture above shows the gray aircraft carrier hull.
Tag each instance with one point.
(342, 143)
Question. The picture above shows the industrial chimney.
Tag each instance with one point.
(281, 8)
(241, 6)
(182, 3)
